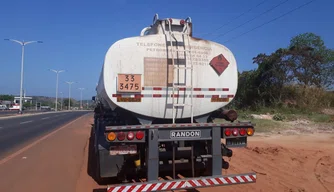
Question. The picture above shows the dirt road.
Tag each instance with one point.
(295, 163)
(283, 163)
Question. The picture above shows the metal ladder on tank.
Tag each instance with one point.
(186, 67)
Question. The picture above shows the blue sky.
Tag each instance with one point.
(77, 34)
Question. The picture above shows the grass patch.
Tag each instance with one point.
(288, 114)
(281, 117)
(266, 125)
(313, 117)
(320, 118)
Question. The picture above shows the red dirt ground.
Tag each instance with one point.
(296, 163)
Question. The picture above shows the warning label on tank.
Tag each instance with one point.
(199, 54)
(219, 64)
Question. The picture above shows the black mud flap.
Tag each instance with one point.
(236, 142)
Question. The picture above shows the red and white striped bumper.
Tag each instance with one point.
(199, 182)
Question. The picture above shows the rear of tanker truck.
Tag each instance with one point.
(158, 97)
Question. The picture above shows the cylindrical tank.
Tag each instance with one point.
(138, 75)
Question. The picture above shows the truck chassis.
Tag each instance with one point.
(169, 149)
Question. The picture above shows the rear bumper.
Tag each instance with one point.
(189, 183)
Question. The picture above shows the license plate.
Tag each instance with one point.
(123, 150)
(185, 134)
(236, 142)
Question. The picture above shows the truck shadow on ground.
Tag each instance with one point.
(99, 190)
(92, 162)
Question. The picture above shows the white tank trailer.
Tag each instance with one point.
(157, 98)
(166, 72)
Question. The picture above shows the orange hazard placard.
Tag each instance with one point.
(219, 64)
(129, 83)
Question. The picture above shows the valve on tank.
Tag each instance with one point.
(228, 115)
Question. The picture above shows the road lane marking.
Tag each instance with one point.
(45, 118)
(4, 160)
(26, 122)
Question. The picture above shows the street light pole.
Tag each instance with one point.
(22, 43)
(69, 93)
(61, 104)
(81, 89)
(57, 74)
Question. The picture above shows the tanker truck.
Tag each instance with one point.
(159, 120)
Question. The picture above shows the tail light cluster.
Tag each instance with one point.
(238, 132)
(125, 136)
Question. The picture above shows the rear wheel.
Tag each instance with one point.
(98, 177)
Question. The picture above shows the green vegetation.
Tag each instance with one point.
(7, 97)
(289, 84)
(265, 125)
(27, 105)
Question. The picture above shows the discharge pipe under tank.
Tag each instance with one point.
(228, 115)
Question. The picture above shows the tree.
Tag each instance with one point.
(306, 62)
(246, 89)
(272, 74)
(73, 103)
(7, 97)
(27, 104)
(311, 61)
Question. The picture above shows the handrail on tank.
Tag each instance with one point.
(155, 18)
(142, 33)
(188, 19)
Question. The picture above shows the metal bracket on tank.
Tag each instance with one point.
(155, 18)
(144, 120)
(202, 119)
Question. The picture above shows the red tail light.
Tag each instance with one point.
(182, 22)
(235, 132)
(131, 135)
(242, 131)
(140, 135)
(121, 136)
(227, 132)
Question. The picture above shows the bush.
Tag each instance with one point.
(307, 98)
(279, 117)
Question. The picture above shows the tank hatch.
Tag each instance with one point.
(161, 26)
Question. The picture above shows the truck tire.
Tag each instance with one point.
(98, 177)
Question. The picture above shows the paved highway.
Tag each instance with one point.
(14, 112)
(16, 132)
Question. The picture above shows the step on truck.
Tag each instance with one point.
(159, 122)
